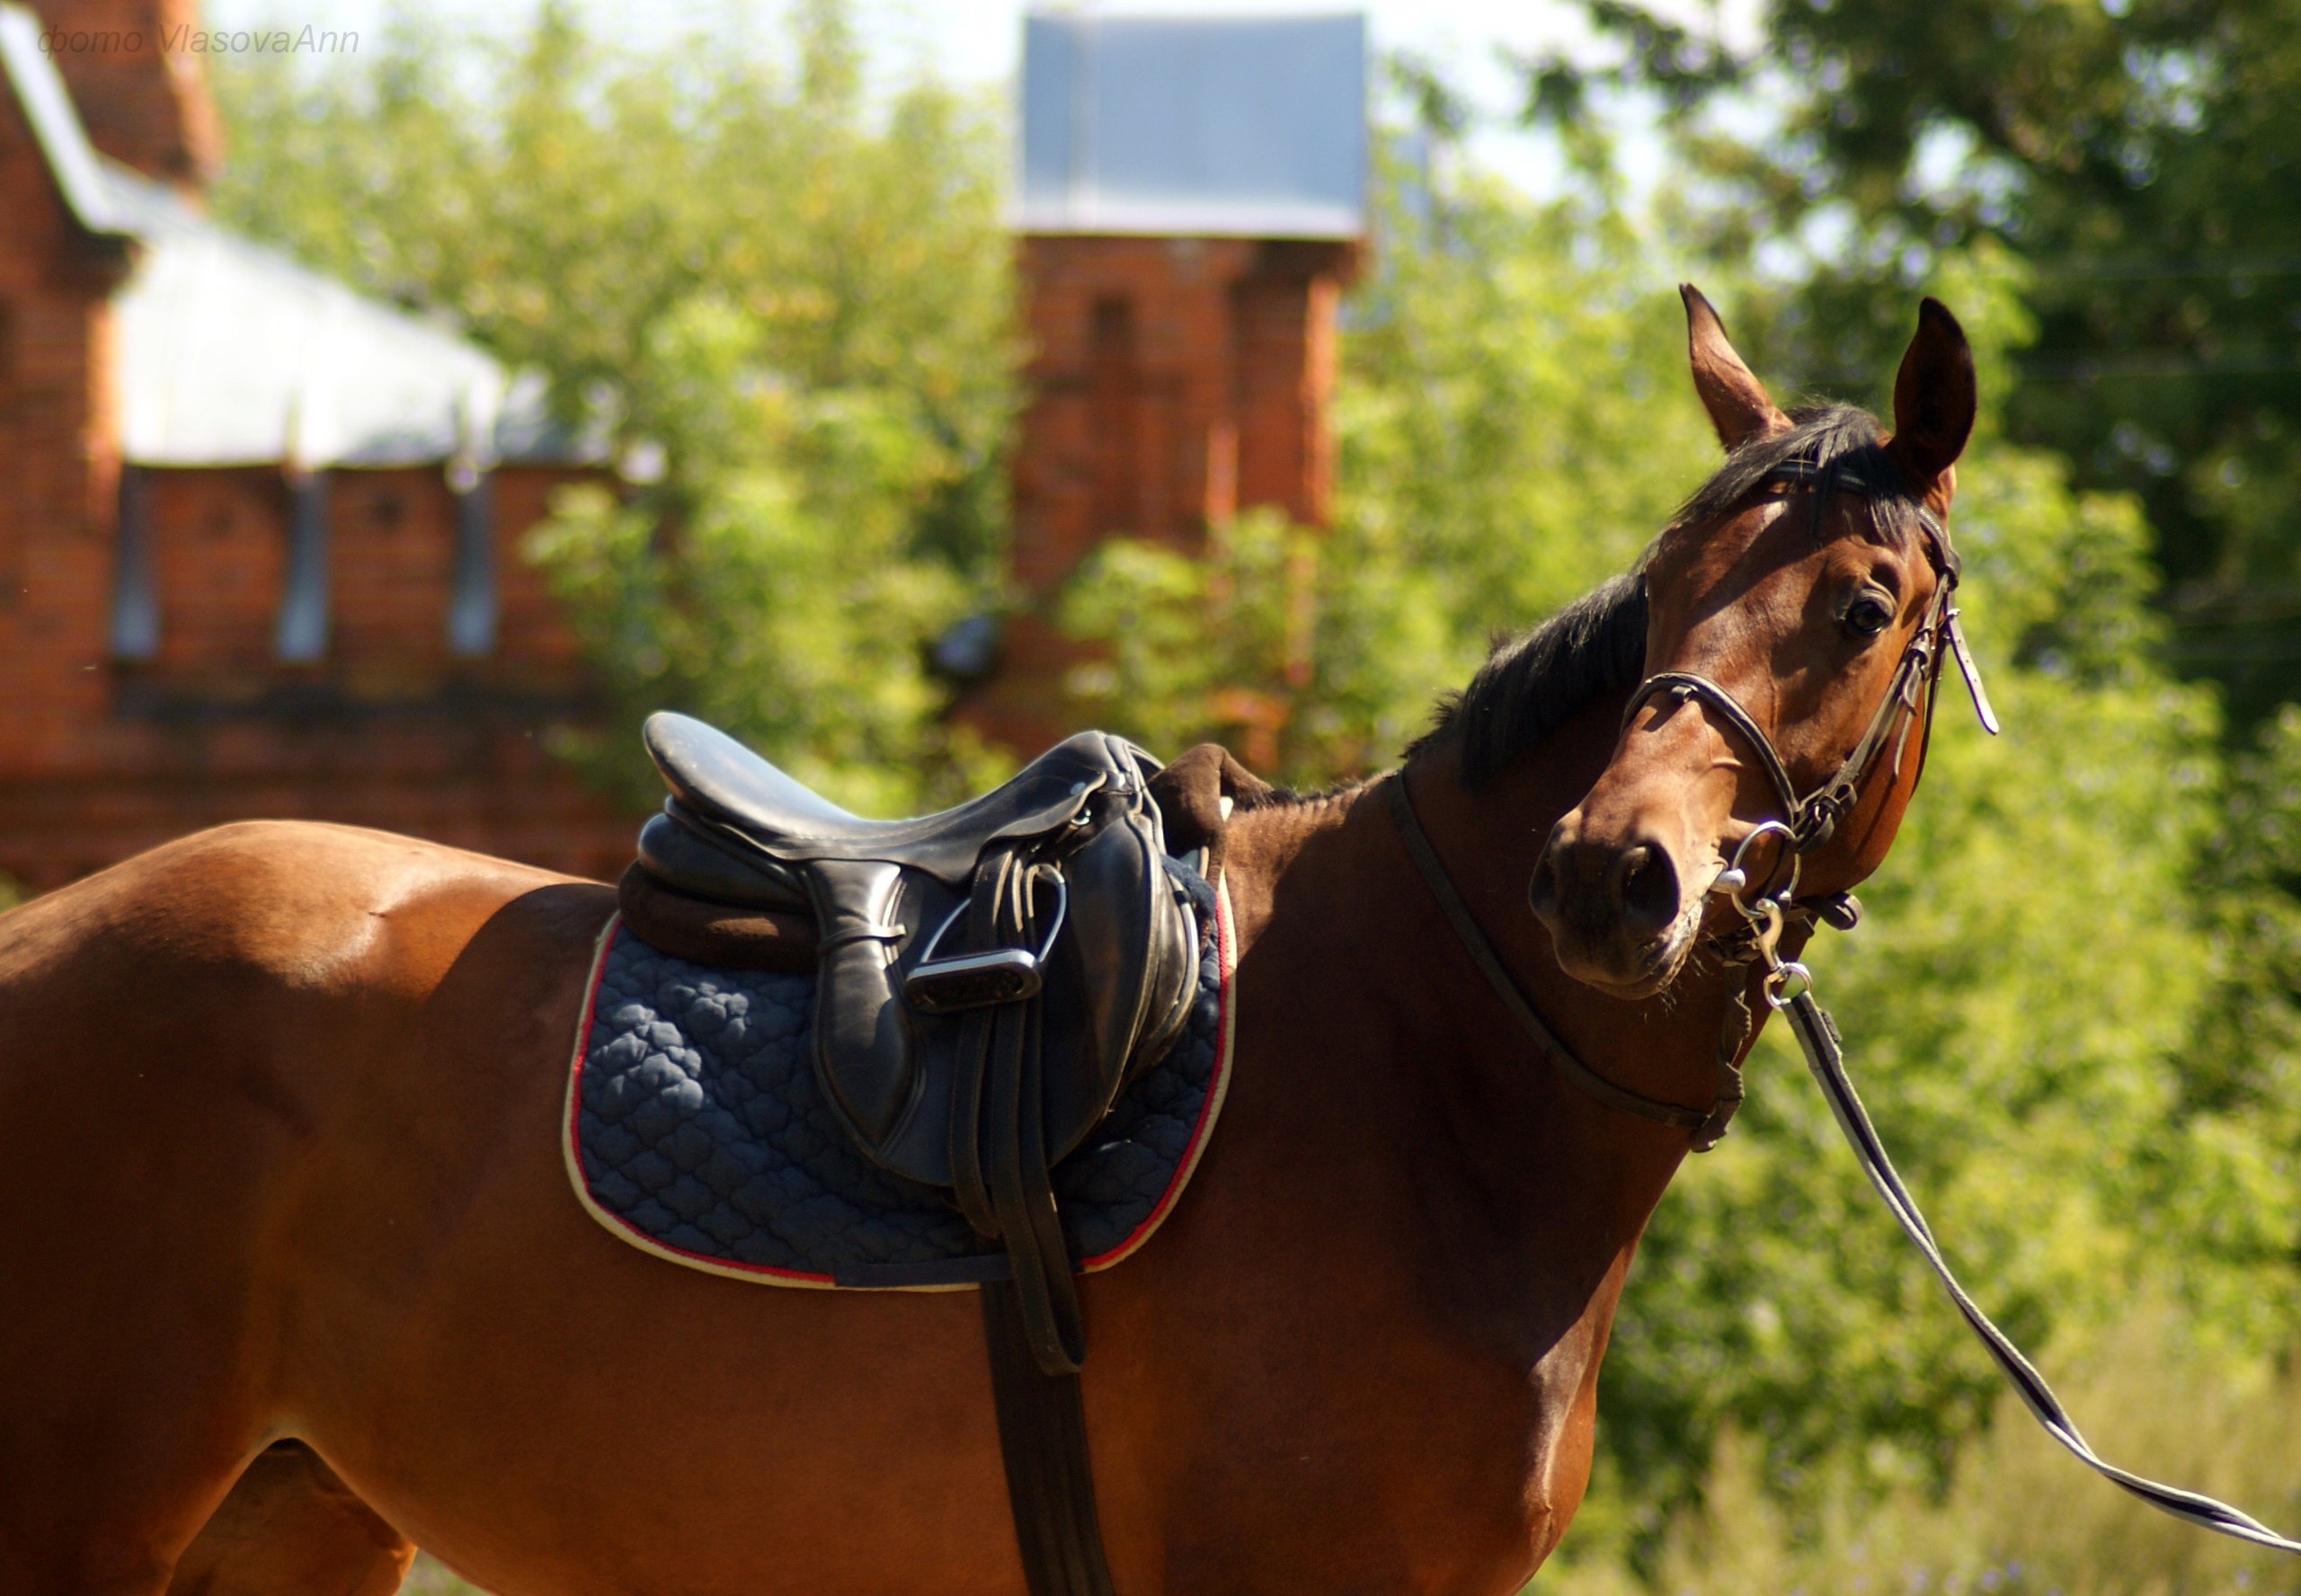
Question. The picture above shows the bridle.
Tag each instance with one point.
(1808, 822)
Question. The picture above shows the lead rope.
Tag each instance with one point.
(1790, 989)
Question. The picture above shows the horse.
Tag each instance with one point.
(296, 1280)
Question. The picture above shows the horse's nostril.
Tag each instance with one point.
(1542, 892)
(1648, 888)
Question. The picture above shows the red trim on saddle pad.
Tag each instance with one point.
(1218, 1089)
(572, 1151)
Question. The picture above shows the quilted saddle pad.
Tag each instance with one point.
(696, 1130)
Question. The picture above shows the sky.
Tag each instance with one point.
(981, 40)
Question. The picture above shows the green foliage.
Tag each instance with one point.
(795, 306)
(429, 1578)
(1513, 425)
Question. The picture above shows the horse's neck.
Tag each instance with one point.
(1543, 1191)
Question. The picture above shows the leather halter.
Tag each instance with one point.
(1813, 818)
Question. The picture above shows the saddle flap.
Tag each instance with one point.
(1114, 988)
(1118, 982)
(864, 1049)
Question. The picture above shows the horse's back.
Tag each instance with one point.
(231, 987)
(296, 900)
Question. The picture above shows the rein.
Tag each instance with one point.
(1788, 986)
(1490, 965)
(1818, 1039)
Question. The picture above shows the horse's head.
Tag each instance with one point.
(1797, 612)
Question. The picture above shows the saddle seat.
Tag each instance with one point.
(712, 776)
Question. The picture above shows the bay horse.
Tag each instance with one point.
(289, 1252)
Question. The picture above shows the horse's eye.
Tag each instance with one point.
(1868, 614)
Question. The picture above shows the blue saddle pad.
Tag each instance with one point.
(697, 1130)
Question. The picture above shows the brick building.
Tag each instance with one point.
(1191, 204)
(256, 532)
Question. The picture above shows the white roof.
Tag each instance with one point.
(1251, 127)
(230, 353)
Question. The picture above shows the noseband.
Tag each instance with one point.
(1811, 820)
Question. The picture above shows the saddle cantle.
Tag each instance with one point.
(988, 978)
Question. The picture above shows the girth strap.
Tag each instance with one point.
(1042, 1442)
(998, 1153)
(1032, 1325)
(1482, 955)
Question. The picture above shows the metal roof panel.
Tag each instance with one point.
(1232, 126)
(230, 353)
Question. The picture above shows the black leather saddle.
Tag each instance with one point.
(988, 977)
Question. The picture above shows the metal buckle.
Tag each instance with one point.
(1786, 982)
(977, 980)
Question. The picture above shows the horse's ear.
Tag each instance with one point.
(1933, 396)
(1736, 400)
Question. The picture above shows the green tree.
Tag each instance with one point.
(790, 305)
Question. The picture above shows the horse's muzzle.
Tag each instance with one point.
(1614, 910)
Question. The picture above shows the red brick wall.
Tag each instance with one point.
(58, 464)
(99, 757)
(392, 553)
(219, 560)
(142, 102)
(1172, 382)
(389, 729)
(534, 644)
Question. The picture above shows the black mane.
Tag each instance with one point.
(1531, 684)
